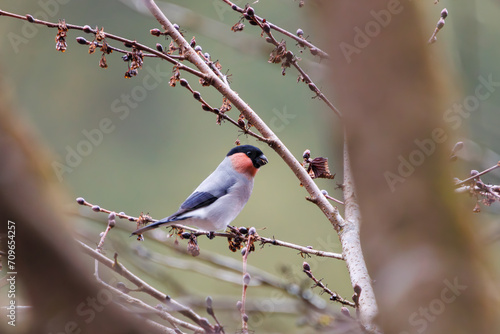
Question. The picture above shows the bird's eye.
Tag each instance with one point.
(249, 153)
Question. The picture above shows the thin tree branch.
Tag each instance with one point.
(232, 233)
(291, 59)
(318, 283)
(246, 280)
(478, 174)
(127, 42)
(303, 250)
(216, 111)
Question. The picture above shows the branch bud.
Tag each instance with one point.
(444, 13)
(87, 29)
(155, 32)
(81, 40)
(306, 266)
(345, 311)
(440, 23)
(246, 279)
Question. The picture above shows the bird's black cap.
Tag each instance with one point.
(254, 153)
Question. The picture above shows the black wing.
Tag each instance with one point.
(198, 200)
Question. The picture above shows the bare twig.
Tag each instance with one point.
(439, 26)
(318, 283)
(210, 311)
(291, 59)
(477, 175)
(146, 288)
(127, 42)
(302, 41)
(303, 250)
(111, 224)
(334, 199)
(216, 111)
(246, 279)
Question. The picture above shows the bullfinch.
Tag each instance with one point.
(221, 197)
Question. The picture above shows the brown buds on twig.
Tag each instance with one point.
(156, 32)
(238, 26)
(458, 146)
(62, 30)
(278, 53)
(192, 247)
(87, 29)
(136, 58)
(439, 26)
(306, 268)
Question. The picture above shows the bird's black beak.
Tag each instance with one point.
(261, 160)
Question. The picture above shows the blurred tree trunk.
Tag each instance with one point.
(429, 273)
(51, 278)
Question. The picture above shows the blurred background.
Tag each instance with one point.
(158, 144)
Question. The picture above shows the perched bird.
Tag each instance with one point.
(221, 197)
